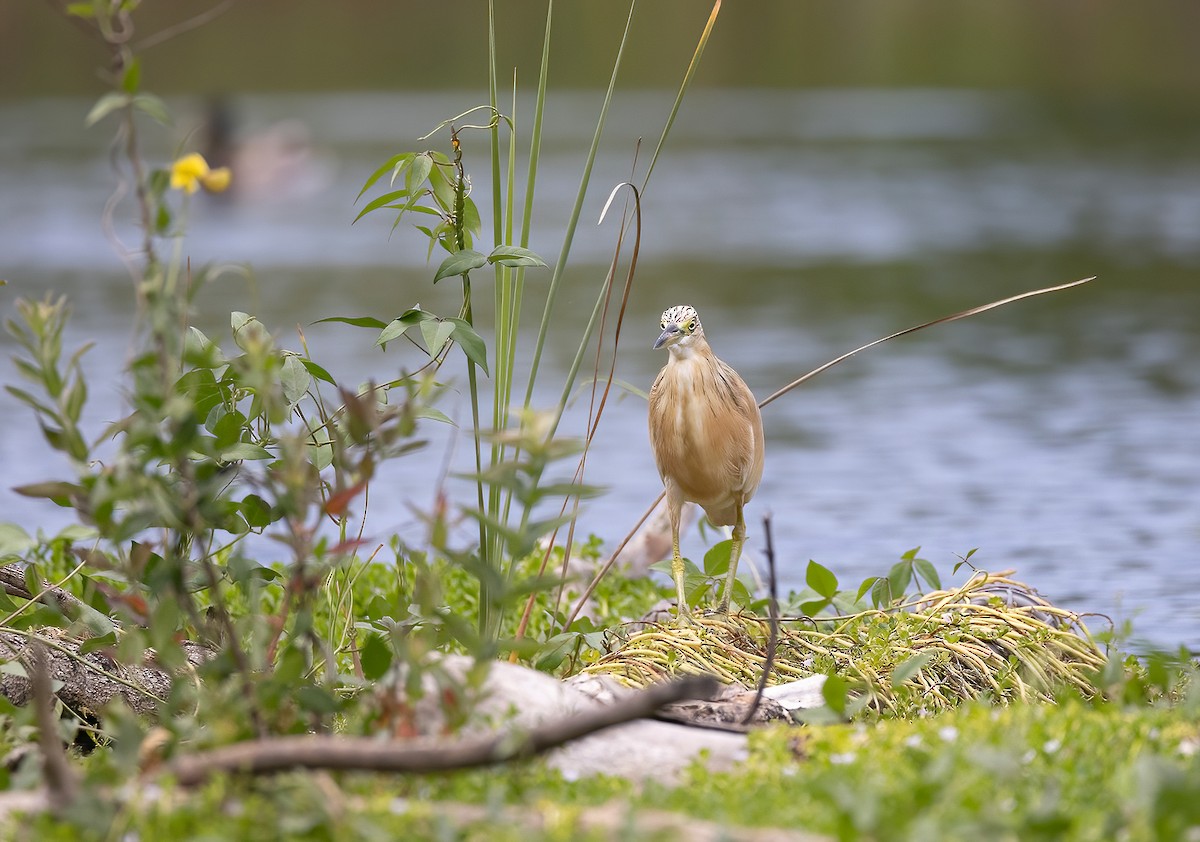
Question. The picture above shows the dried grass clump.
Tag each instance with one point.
(992, 638)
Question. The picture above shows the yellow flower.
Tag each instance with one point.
(191, 172)
(187, 172)
(217, 181)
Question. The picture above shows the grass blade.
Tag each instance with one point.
(951, 318)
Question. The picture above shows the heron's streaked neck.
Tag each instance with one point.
(689, 349)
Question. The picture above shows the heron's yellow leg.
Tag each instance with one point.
(735, 553)
(684, 615)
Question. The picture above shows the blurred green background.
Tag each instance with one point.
(1149, 50)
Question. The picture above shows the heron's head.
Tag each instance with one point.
(680, 326)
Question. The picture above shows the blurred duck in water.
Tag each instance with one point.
(275, 164)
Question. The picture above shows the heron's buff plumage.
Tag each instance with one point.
(706, 432)
(707, 436)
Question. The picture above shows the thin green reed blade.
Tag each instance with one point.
(489, 544)
(573, 221)
(585, 339)
(683, 88)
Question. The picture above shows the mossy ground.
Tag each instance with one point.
(1072, 770)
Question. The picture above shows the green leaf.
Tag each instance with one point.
(75, 398)
(33, 579)
(152, 107)
(460, 263)
(380, 201)
(397, 327)
(821, 580)
(132, 77)
(30, 400)
(436, 334)
(418, 172)
(244, 451)
(927, 572)
(104, 106)
(443, 189)
(75, 533)
(396, 164)
(14, 540)
(814, 607)
(555, 650)
(227, 427)
(881, 592)
(716, 560)
(909, 668)
(59, 492)
(92, 644)
(320, 454)
(200, 384)
(81, 10)
(471, 343)
(433, 415)
(376, 657)
(318, 372)
(867, 584)
(835, 691)
(899, 578)
(162, 220)
(294, 379)
(355, 321)
(471, 221)
(256, 511)
(317, 700)
(247, 330)
(515, 256)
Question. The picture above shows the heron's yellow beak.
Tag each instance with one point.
(668, 335)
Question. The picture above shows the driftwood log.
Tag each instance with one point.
(278, 754)
(89, 681)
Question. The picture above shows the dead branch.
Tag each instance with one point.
(12, 580)
(89, 681)
(268, 756)
(61, 784)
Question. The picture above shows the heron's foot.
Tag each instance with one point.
(722, 607)
(683, 616)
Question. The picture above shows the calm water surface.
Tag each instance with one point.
(1060, 436)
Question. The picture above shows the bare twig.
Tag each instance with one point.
(955, 317)
(773, 618)
(261, 757)
(61, 785)
(175, 30)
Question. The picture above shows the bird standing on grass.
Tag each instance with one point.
(707, 436)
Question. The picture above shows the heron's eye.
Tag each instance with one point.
(664, 325)
(691, 325)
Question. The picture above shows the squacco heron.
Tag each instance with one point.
(707, 436)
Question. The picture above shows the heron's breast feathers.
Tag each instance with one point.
(706, 432)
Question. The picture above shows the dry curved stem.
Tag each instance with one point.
(974, 311)
(184, 26)
(268, 756)
(595, 413)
